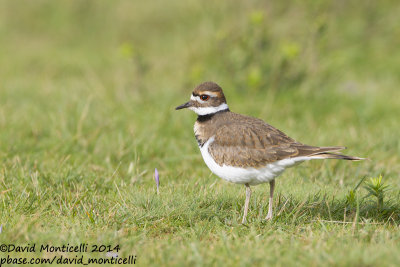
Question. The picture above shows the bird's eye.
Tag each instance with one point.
(205, 97)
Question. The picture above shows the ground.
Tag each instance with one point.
(87, 99)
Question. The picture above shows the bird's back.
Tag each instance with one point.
(244, 141)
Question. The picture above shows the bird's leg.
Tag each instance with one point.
(271, 195)
(246, 204)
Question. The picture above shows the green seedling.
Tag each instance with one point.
(377, 188)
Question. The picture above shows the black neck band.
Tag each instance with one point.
(202, 118)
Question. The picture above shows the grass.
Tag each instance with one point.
(87, 99)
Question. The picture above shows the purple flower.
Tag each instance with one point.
(1, 228)
(157, 178)
(112, 254)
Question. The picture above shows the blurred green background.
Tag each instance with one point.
(87, 97)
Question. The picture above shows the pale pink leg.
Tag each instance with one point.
(271, 195)
(246, 204)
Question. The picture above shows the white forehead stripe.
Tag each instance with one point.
(195, 98)
(209, 110)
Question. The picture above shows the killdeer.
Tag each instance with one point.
(246, 150)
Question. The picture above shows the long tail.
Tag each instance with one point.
(335, 156)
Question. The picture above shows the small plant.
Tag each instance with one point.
(351, 195)
(376, 188)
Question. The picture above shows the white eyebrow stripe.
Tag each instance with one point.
(210, 93)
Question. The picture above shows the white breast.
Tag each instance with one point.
(252, 176)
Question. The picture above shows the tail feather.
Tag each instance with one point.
(306, 150)
(335, 156)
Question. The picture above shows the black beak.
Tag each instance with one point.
(186, 105)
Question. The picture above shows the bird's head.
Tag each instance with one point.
(207, 98)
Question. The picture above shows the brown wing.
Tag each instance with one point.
(256, 144)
